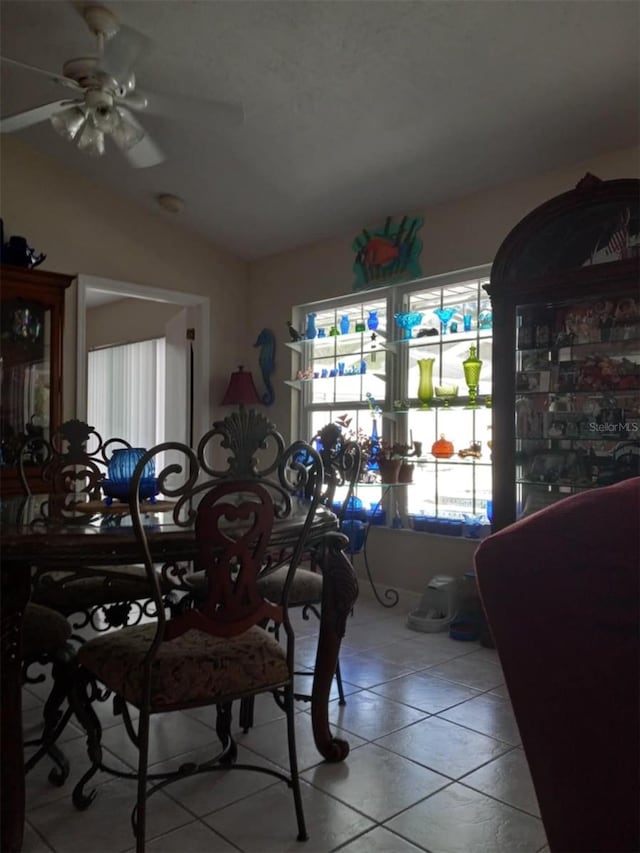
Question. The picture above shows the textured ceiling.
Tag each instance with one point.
(354, 110)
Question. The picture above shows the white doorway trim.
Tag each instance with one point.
(125, 289)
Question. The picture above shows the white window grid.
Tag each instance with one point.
(458, 488)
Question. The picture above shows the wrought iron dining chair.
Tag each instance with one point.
(46, 636)
(71, 467)
(341, 462)
(216, 651)
(255, 447)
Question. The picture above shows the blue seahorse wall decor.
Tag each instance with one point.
(267, 360)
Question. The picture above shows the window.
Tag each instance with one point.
(126, 396)
(361, 368)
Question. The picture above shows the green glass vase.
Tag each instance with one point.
(472, 366)
(425, 388)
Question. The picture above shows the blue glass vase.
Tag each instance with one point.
(372, 463)
(344, 324)
(372, 320)
(311, 326)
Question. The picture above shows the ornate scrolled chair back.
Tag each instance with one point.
(255, 446)
(71, 467)
(72, 463)
(194, 485)
(341, 461)
(233, 525)
(79, 459)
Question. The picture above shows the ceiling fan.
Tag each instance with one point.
(105, 96)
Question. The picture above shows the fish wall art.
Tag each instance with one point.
(389, 253)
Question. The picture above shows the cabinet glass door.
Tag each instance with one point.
(577, 410)
(25, 383)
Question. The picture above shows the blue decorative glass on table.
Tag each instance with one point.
(120, 472)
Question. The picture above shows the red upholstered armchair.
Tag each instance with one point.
(561, 593)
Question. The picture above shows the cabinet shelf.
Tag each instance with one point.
(564, 485)
(582, 392)
(621, 344)
(582, 438)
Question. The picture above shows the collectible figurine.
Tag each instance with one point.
(294, 333)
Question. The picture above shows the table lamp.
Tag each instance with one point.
(241, 390)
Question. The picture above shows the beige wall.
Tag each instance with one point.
(84, 227)
(126, 321)
(466, 232)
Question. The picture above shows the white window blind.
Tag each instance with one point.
(126, 392)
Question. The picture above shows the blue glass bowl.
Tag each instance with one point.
(120, 491)
(406, 320)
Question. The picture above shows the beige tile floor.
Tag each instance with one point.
(435, 765)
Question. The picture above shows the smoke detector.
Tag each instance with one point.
(170, 203)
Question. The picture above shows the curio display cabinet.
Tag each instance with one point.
(31, 330)
(565, 293)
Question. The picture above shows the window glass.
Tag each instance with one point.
(360, 364)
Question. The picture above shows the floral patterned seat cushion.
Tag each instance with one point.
(306, 587)
(193, 669)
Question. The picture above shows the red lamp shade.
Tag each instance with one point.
(241, 391)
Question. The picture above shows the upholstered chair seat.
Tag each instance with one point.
(70, 593)
(193, 669)
(306, 586)
(44, 632)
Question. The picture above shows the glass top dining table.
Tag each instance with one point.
(101, 537)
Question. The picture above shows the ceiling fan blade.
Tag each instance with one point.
(50, 75)
(185, 108)
(9, 124)
(121, 53)
(144, 153)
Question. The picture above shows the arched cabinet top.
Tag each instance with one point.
(597, 223)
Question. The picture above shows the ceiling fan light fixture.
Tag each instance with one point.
(91, 140)
(126, 133)
(105, 119)
(68, 122)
